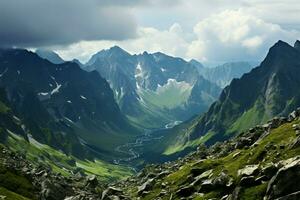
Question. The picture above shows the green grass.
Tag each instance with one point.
(167, 97)
(64, 164)
(254, 193)
(181, 145)
(9, 195)
(105, 171)
(3, 108)
(12, 181)
(250, 118)
(281, 136)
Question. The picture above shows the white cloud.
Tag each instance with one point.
(231, 34)
(171, 41)
(235, 35)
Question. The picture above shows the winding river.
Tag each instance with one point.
(132, 151)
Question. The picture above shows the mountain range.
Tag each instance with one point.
(62, 105)
(61, 122)
(223, 74)
(269, 90)
(154, 89)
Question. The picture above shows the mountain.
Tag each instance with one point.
(260, 163)
(50, 56)
(269, 90)
(62, 106)
(222, 75)
(154, 89)
(78, 62)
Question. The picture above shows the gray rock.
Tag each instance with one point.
(248, 170)
(186, 191)
(111, 191)
(295, 143)
(198, 180)
(286, 181)
(269, 170)
(92, 181)
(207, 186)
(247, 181)
(292, 196)
(146, 186)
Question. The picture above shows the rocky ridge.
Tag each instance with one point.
(261, 163)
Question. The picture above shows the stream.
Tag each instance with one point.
(132, 150)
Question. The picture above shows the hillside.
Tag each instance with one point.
(154, 89)
(62, 106)
(261, 163)
(269, 90)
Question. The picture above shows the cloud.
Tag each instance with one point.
(230, 35)
(171, 41)
(235, 35)
(56, 22)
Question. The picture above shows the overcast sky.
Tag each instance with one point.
(214, 30)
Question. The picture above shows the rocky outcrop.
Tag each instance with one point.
(261, 167)
(286, 180)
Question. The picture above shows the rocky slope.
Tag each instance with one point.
(60, 105)
(269, 90)
(154, 89)
(50, 56)
(261, 163)
(222, 75)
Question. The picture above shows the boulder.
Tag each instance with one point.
(222, 180)
(111, 191)
(204, 175)
(292, 196)
(243, 142)
(207, 186)
(92, 181)
(247, 181)
(269, 170)
(295, 143)
(146, 186)
(248, 170)
(186, 191)
(52, 191)
(286, 180)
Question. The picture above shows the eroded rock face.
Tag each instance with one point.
(286, 181)
(146, 186)
(248, 170)
(186, 191)
(110, 192)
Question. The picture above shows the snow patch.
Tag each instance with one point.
(43, 93)
(83, 97)
(69, 120)
(6, 69)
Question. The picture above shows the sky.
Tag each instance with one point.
(206, 30)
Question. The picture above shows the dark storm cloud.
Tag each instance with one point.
(34, 23)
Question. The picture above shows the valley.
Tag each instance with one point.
(147, 126)
(133, 151)
(149, 100)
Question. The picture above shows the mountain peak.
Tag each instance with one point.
(297, 45)
(50, 56)
(196, 63)
(117, 49)
(281, 43)
(280, 49)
